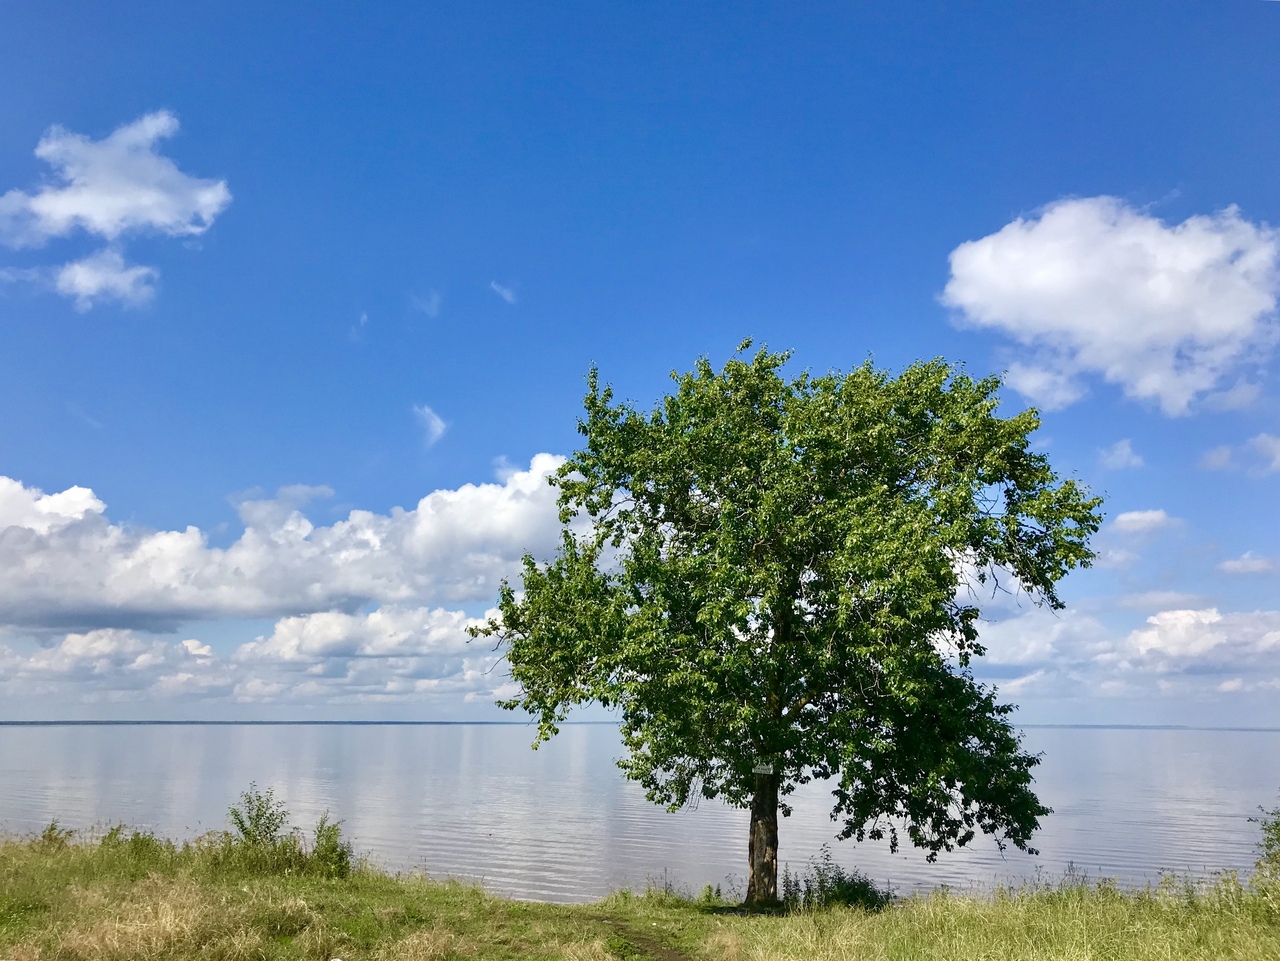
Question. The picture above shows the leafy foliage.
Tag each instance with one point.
(825, 884)
(259, 819)
(1269, 845)
(55, 836)
(789, 572)
(330, 855)
(260, 839)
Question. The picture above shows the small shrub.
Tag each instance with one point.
(1269, 846)
(826, 884)
(330, 854)
(260, 819)
(142, 850)
(260, 843)
(55, 837)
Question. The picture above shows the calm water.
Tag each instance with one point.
(561, 824)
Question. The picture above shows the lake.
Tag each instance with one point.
(561, 824)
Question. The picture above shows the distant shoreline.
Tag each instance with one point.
(320, 723)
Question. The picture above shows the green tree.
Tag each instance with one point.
(773, 581)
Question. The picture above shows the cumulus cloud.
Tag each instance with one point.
(109, 188)
(1266, 447)
(105, 275)
(63, 563)
(32, 509)
(1181, 651)
(109, 663)
(1247, 563)
(390, 631)
(1143, 522)
(432, 424)
(1120, 456)
(1258, 455)
(389, 654)
(1096, 286)
(392, 653)
(1209, 636)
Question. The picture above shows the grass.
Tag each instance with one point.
(235, 896)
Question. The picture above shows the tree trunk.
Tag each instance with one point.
(762, 849)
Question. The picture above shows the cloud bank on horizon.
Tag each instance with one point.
(369, 608)
(373, 608)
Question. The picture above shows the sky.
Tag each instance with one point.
(296, 309)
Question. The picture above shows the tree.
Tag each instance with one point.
(773, 581)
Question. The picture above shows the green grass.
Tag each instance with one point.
(132, 896)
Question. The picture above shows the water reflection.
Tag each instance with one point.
(561, 823)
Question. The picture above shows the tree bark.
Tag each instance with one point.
(762, 848)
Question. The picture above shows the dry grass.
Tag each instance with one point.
(1081, 923)
(155, 902)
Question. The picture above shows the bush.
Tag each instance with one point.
(330, 855)
(260, 841)
(55, 837)
(260, 819)
(826, 884)
(1268, 862)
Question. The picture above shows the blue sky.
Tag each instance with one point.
(261, 270)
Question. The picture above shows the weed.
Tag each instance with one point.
(330, 855)
(826, 884)
(260, 819)
(55, 837)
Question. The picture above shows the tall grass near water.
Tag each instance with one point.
(262, 890)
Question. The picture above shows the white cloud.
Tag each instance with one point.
(1208, 636)
(1040, 637)
(104, 275)
(506, 293)
(429, 305)
(1095, 286)
(1219, 458)
(108, 188)
(111, 186)
(389, 654)
(1266, 447)
(1258, 455)
(32, 509)
(1120, 456)
(196, 649)
(64, 563)
(1051, 389)
(1116, 558)
(1155, 600)
(1175, 653)
(432, 424)
(389, 631)
(1143, 522)
(109, 663)
(1247, 563)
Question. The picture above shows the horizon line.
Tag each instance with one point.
(68, 722)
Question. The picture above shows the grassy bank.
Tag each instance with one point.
(136, 897)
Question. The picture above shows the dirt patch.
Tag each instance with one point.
(634, 944)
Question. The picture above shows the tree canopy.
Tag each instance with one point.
(777, 580)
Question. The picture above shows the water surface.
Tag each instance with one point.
(561, 823)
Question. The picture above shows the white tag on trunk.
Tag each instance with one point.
(763, 769)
